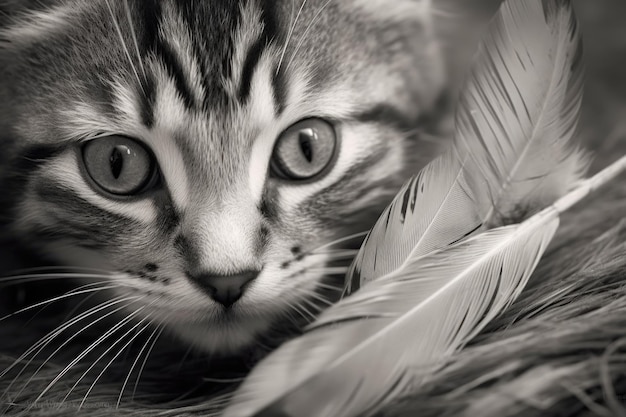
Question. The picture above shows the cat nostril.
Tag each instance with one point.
(224, 289)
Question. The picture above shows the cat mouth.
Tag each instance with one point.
(211, 315)
(230, 331)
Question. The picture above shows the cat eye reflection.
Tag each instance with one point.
(119, 165)
(304, 150)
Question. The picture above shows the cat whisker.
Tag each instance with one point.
(338, 270)
(306, 32)
(155, 334)
(184, 358)
(295, 307)
(338, 241)
(69, 269)
(221, 401)
(123, 43)
(70, 294)
(42, 343)
(319, 298)
(339, 252)
(51, 335)
(343, 255)
(289, 315)
(85, 352)
(290, 33)
(80, 304)
(20, 279)
(329, 286)
(303, 310)
(312, 305)
(133, 33)
(122, 349)
(145, 360)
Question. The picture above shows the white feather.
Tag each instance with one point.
(519, 110)
(512, 153)
(430, 212)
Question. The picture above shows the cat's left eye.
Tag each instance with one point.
(119, 165)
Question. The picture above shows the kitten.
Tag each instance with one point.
(208, 154)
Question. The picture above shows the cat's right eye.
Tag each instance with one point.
(119, 165)
(304, 150)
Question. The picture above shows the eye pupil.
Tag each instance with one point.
(116, 160)
(119, 166)
(304, 150)
(305, 138)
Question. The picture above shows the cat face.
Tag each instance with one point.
(205, 153)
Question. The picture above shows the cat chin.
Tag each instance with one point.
(220, 338)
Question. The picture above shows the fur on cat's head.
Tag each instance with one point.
(186, 101)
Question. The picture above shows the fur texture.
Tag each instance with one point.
(559, 350)
(208, 89)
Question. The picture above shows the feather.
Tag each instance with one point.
(436, 269)
(392, 328)
(430, 212)
(512, 152)
(370, 348)
(519, 110)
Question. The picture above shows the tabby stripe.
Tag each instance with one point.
(150, 19)
(152, 42)
(279, 85)
(63, 231)
(387, 115)
(77, 208)
(269, 206)
(214, 32)
(270, 33)
(359, 169)
(279, 80)
(353, 176)
(252, 59)
(271, 27)
(147, 102)
(150, 16)
(175, 71)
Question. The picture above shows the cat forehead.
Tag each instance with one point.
(224, 38)
(201, 55)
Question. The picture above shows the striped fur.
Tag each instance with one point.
(208, 86)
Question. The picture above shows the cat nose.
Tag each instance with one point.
(225, 289)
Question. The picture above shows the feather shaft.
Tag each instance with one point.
(437, 306)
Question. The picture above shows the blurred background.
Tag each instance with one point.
(603, 26)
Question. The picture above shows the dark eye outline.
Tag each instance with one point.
(277, 172)
(152, 182)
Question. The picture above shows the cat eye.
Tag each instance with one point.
(304, 150)
(119, 165)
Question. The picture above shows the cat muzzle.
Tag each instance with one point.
(224, 289)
